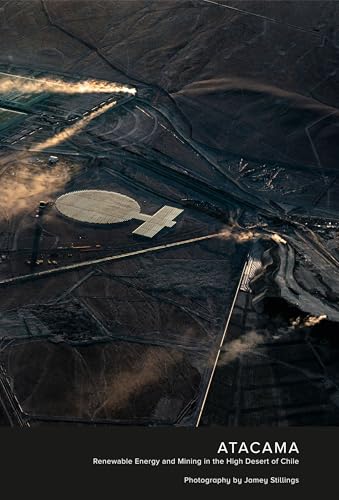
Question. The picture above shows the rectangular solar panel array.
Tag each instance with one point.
(163, 218)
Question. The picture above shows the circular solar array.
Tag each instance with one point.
(97, 207)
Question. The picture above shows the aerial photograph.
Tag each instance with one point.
(169, 213)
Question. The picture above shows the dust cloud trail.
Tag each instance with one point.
(74, 129)
(239, 236)
(35, 86)
(22, 188)
(308, 322)
(148, 370)
(242, 236)
(278, 239)
(238, 347)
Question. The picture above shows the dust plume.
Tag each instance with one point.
(238, 347)
(242, 236)
(307, 322)
(239, 236)
(278, 239)
(23, 187)
(74, 129)
(56, 86)
(148, 370)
